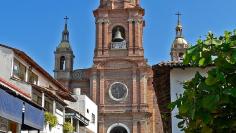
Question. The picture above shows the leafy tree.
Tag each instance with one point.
(208, 104)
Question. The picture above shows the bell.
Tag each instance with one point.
(118, 37)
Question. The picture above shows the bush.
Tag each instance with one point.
(50, 119)
(68, 127)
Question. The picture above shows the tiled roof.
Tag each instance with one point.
(172, 64)
(175, 64)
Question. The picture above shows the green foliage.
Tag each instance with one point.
(208, 104)
(68, 127)
(50, 119)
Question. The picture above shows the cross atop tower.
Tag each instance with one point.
(178, 14)
(66, 19)
(179, 26)
(65, 33)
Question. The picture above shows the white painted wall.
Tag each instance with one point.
(6, 67)
(6, 60)
(86, 103)
(83, 103)
(177, 77)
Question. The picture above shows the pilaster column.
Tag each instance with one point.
(101, 127)
(135, 89)
(136, 34)
(139, 34)
(106, 36)
(143, 88)
(99, 37)
(102, 87)
(102, 36)
(135, 127)
(131, 37)
(93, 86)
(140, 23)
(144, 127)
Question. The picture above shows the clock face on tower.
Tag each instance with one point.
(118, 91)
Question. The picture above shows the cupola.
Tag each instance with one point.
(179, 45)
(65, 44)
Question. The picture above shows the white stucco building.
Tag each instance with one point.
(36, 92)
(177, 77)
(29, 91)
(168, 83)
(87, 108)
(169, 76)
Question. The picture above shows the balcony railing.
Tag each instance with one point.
(118, 45)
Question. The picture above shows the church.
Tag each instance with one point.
(120, 80)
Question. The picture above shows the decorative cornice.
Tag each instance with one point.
(102, 20)
(136, 20)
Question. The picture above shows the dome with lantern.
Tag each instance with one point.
(179, 45)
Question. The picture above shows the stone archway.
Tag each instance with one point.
(118, 128)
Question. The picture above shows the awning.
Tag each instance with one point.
(76, 115)
(83, 121)
(33, 117)
(10, 107)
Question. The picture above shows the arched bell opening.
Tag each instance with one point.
(62, 63)
(118, 38)
(118, 34)
(181, 56)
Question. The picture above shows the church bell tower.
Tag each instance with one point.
(121, 79)
(64, 58)
(119, 29)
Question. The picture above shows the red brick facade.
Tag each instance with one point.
(138, 112)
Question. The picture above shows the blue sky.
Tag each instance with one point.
(35, 26)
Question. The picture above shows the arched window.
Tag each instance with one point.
(62, 63)
(181, 56)
(118, 28)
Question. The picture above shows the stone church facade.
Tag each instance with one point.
(120, 80)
